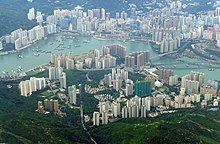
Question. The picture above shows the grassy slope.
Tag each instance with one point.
(192, 126)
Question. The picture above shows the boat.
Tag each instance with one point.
(85, 41)
(36, 54)
(211, 69)
(77, 45)
(20, 56)
(3, 72)
(48, 52)
(59, 49)
(174, 66)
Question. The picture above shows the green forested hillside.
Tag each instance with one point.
(19, 123)
(189, 126)
(12, 19)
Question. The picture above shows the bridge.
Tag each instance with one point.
(162, 55)
(168, 53)
(180, 62)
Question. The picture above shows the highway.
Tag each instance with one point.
(82, 119)
(179, 62)
(200, 64)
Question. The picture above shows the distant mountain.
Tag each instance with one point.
(202, 5)
(11, 18)
(13, 15)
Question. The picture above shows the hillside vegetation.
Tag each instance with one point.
(189, 126)
(20, 124)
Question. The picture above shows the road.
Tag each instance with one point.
(81, 116)
(82, 120)
(54, 94)
(87, 76)
(168, 53)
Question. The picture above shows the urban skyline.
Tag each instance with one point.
(112, 72)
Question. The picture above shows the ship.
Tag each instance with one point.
(36, 54)
(77, 45)
(48, 52)
(60, 49)
(211, 69)
(85, 41)
(69, 47)
(20, 56)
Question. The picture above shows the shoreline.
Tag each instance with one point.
(16, 51)
(25, 73)
(118, 38)
(67, 33)
(95, 36)
(24, 47)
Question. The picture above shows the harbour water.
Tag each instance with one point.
(40, 52)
